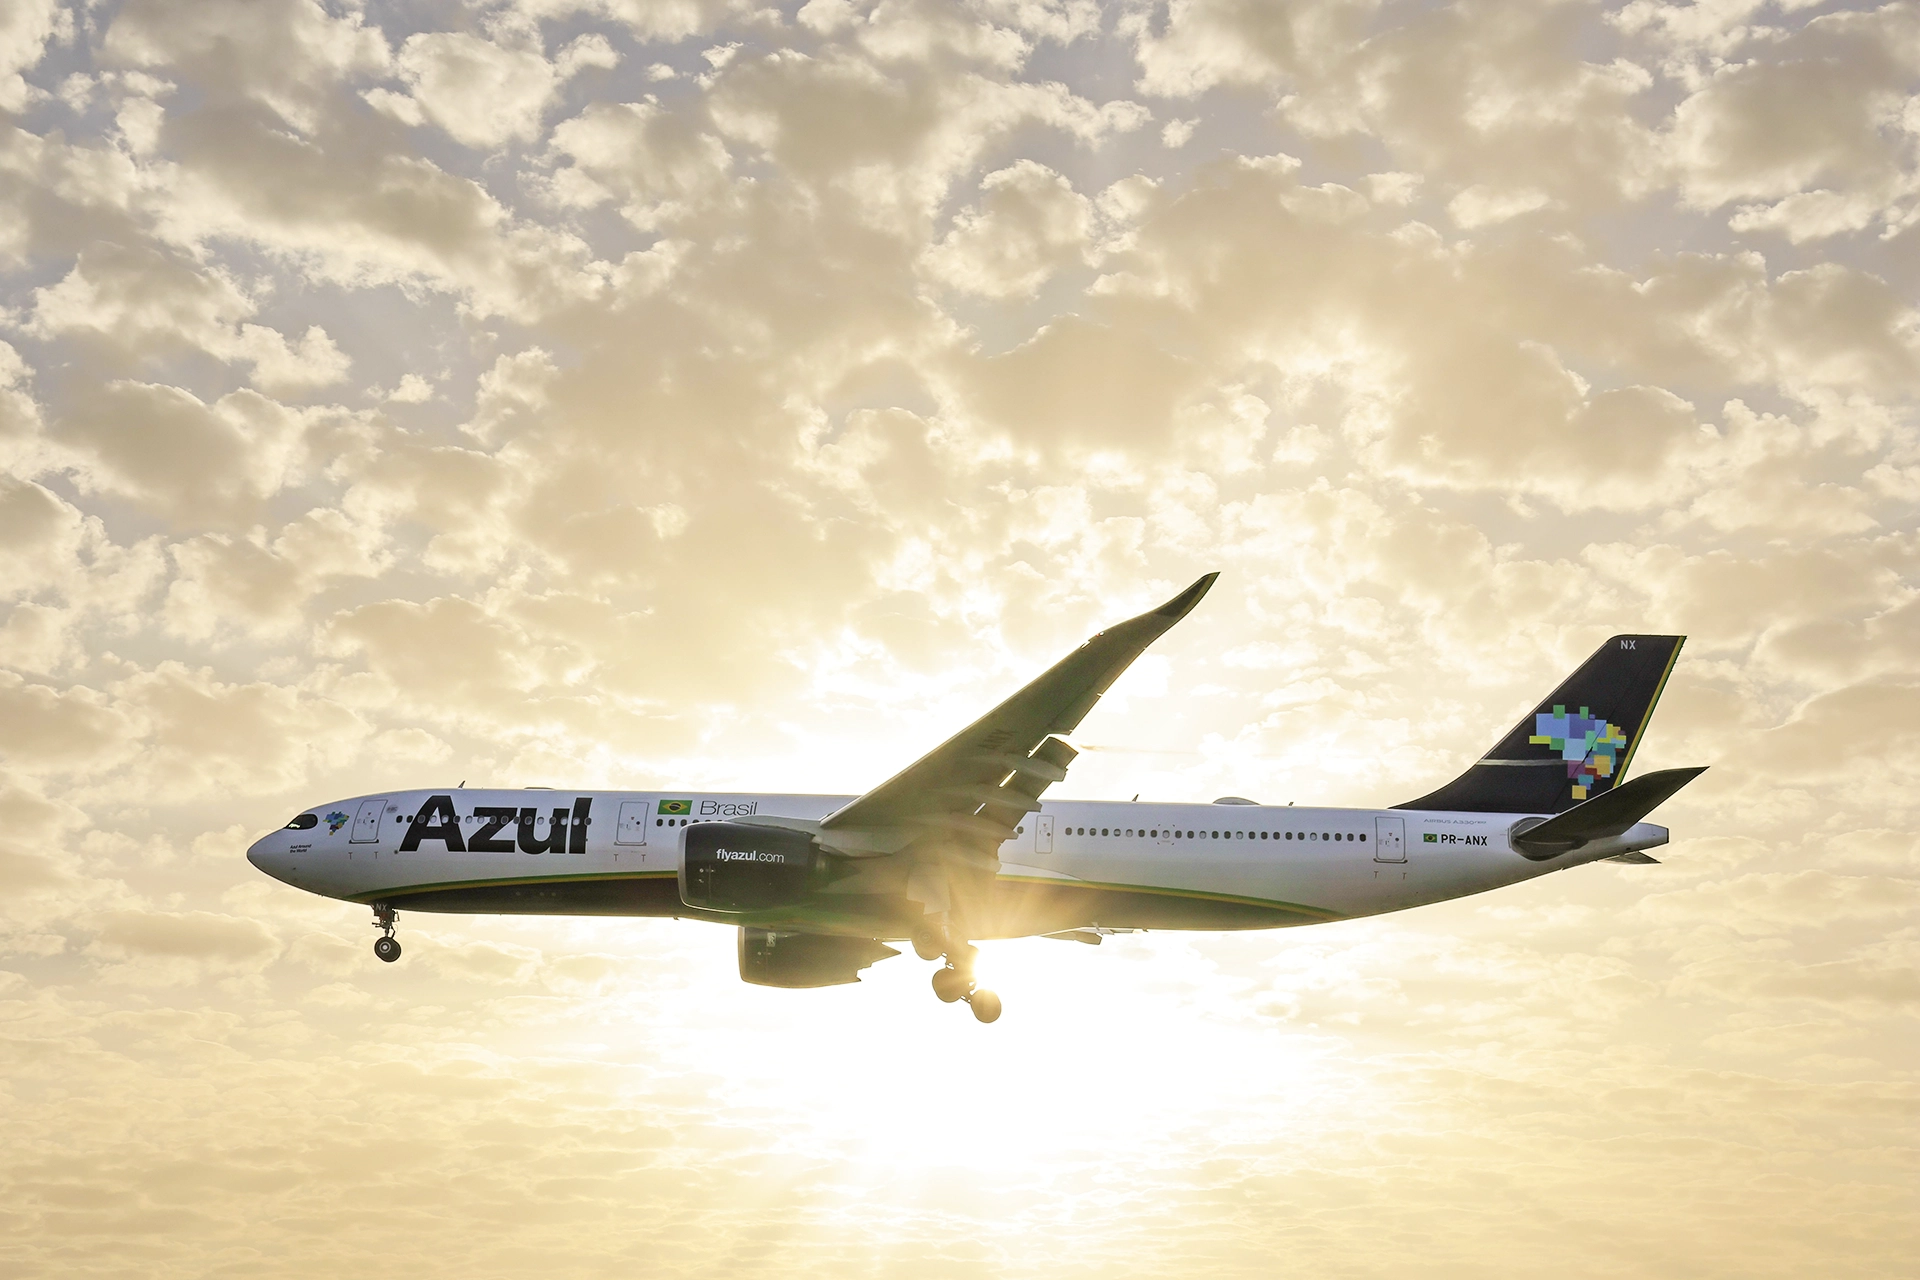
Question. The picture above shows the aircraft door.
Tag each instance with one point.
(366, 823)
(1389, 839)
(1043, 833)
(633, 822)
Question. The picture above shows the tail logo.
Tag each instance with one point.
(1589, 745)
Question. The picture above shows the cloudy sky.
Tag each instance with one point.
(695, 394)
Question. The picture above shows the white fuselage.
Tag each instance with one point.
(1072, 864)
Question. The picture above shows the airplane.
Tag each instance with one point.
(960, 847)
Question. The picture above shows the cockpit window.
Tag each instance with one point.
(304, 821)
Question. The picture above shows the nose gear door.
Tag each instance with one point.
(366, 823)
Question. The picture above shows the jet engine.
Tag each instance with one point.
(730, 866)
(774, 959)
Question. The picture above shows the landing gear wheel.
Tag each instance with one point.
(929, 944)
(387, 947)
(950, 984)
(986, 1005)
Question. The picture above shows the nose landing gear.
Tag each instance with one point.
(386, 946)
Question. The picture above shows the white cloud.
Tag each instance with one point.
(25, 30)
(1479, 207)
(1030, 224)
(288, 54)
(146, 304)
(485, 94)
(659, 164)
(199, 464)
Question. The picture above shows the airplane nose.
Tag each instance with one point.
(266, 855)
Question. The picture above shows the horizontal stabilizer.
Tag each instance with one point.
(1607, 814)
(1637, 858)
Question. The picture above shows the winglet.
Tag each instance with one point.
(1182, 605)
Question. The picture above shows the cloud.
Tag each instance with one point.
(191, 935)
(223, 581)
(186, 459)
(25, 30)
(20, 417)
(1494, 96)
(711, 395)
(1821, 108)
(482, 93)
(1771, 902)
(1030, 224)
(661, 166)
(287, 54)
(145, 304)
(38, 532)
(60, 731)
(890, 142)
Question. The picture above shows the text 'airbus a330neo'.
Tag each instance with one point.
(960, 846)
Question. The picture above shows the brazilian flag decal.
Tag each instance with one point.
(676, 806)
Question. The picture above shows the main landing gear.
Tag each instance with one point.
(386, 946)
(954, 979)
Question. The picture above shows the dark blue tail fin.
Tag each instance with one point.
(1574, 746)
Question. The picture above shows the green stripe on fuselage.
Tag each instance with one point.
(1164, 892)
(400, 891)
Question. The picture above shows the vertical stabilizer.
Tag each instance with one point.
(1575, 745)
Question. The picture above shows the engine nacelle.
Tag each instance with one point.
(769, 958)
(730, 866)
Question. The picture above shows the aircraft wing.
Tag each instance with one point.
(981, 783)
